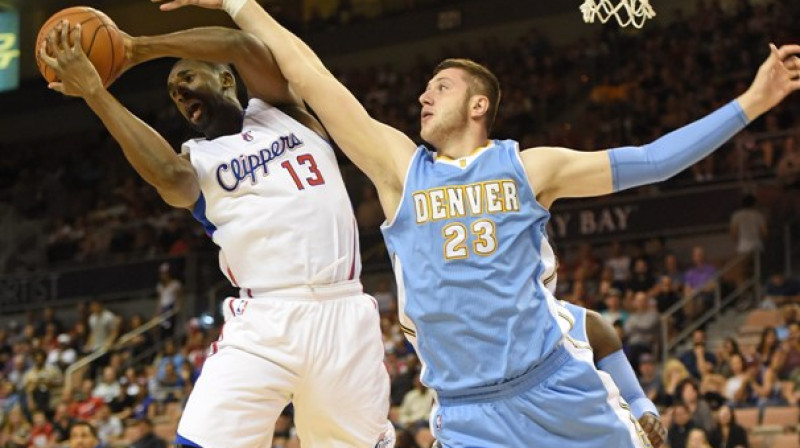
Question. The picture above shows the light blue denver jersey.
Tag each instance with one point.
(469, 250)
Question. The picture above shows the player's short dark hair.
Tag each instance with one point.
(481, 81)
(77, 423)
(214, 66)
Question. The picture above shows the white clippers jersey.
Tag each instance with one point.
(274, 201)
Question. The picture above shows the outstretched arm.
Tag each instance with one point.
(253, 60)
(381, 152)
(558, 172)
(148, 152)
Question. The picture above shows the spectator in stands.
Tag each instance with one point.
(49, 318)
(689, 394)
(109, 427)
(642, 327)
(416, 406)
(39, 381)
(614, 311)
(698, 360)
(641, 279)
(779, 291)
(666, 295)
(728, 433)
(103, 327)
(649, 378)
(765, 383)
(169, 386)
(169, 355)
(697, 439)
(16, 430)
(63, 354)
(8, 396)
(146, 438)
(672, 270)
(170, 297)
(737, 386)
(62, 422)
(108, 389)
(83, 435)
(728, 348)
(788, 317)
(788, 169)
(681, 425)
(19, 365)
(768, 343)
(85, 405)
(791, 349)
(697, 280)
(384, 296)
(674, 373)
(619, 262)
(139, 344)
(42, 433)
(748, 227)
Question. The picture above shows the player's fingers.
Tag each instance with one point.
(57, 86)
(787, 50)
(172, 5)
(49, 61)
(793, 63)
(51, 39)
(76, 38)
(64, 42)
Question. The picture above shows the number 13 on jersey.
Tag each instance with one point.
(456, 234)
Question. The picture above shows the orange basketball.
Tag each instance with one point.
(100, 39)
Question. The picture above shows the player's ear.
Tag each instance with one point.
(479, 105)
(226, 79)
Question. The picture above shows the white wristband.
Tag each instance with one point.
(232, 7)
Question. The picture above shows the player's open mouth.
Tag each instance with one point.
(194, 110)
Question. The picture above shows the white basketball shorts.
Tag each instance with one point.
(319, 348)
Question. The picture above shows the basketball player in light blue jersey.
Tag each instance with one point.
(466, 225)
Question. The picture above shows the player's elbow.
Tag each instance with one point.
(178, 186)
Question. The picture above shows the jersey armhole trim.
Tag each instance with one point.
(387, 224)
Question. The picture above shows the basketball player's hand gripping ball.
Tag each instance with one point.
(62, 52)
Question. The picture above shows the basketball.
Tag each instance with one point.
(100, 39)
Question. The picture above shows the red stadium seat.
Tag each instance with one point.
(747, 417)
(791, 440)
(762, 318)
(782, 416)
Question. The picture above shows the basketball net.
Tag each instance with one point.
(627, 12)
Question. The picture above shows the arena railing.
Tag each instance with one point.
(77, 369)
(751, 284)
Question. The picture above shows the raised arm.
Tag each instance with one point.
(381, 152)
(149, 154)
(558, 172)
(253, 60)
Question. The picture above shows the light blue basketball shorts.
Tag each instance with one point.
(562, 402)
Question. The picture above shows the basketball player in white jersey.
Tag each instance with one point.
(266, 186)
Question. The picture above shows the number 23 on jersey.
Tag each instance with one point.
(456, 237)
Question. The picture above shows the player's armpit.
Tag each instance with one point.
(556, 173)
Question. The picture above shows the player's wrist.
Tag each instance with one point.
(752, 104)
(232, 7)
